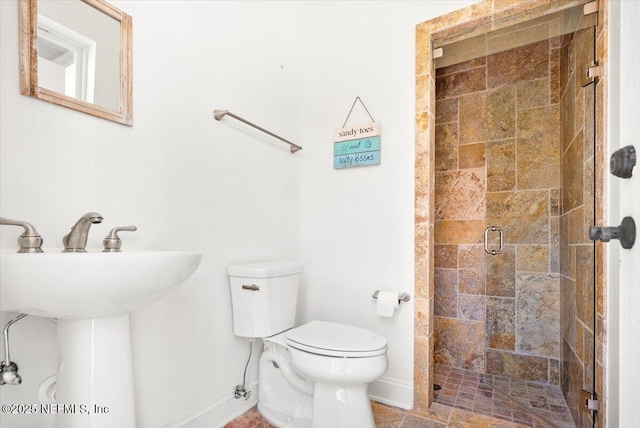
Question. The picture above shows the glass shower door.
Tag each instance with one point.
(515, 139)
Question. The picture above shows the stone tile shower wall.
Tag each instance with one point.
(577, 214)
(458, 23)
(498, 162)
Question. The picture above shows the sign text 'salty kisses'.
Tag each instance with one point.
(357, 145)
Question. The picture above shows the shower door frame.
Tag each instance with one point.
(460, 25)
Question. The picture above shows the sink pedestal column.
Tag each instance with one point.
(95, 378)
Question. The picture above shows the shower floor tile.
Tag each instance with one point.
(392, 417)
(514, 400)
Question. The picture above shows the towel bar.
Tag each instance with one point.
(219, 114)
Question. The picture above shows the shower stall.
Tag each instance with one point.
(514, 196)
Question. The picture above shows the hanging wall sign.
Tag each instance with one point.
(357, 145)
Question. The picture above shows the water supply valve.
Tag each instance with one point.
(8, 369)
(10, 374)
(626, 233)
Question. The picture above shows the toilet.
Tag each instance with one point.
(312, 376)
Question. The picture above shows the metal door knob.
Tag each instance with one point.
(626, 233)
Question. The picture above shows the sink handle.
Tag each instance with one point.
(30, 241)
(112, 242)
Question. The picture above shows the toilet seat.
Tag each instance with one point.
(336, 340)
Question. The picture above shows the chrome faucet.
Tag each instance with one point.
(30, 241)
(76, 240)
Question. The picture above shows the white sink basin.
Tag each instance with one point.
(89, 285)
(92, 294)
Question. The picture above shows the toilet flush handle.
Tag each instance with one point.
(251, 287)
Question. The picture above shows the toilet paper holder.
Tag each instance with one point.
(403, 297)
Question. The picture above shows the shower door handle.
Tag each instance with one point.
(486, 240)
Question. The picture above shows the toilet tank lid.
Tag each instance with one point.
(265, 269)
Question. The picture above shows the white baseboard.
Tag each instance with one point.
(220, 412)
(392, 392)
(226, 409)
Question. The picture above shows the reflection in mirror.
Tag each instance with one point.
(78, 54)
(66, 60)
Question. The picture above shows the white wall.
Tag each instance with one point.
(357, 224)
(187, 181)
(623, 341)
(191, 183)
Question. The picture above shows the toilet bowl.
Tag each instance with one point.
(326, 368)
(312, 376)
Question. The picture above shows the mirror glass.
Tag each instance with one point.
(77, 53)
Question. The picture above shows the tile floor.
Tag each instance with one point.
(515, 400)
(467, 399)
(440, 416)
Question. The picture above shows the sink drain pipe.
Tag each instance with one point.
(8, 369)
(241, 390)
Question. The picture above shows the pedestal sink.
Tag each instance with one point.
(92, 294)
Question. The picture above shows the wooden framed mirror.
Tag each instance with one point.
(77, 54)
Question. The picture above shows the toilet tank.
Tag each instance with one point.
(264, 297)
